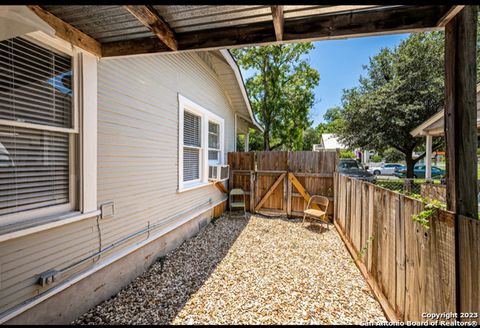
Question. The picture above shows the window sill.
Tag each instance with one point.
(193, 186)
(22, 229)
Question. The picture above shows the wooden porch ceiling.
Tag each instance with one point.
(127, 30)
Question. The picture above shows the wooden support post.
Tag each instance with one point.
(460, 131)
(461, 113)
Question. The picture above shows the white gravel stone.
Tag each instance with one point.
(255, 271)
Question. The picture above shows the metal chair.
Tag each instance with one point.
(320, 214)
(237, 204)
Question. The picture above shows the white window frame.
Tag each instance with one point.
(185, 104)
(82, 144)
(220, 149)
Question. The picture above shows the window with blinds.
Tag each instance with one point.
(35, 84)
(192, 146)
(35, 88)
(200, 143)
(213, 142)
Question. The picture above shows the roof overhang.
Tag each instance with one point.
(238, 75)
(127, 30)
(435, 125)
(432, 127)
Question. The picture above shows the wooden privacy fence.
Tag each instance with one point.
(410, 268)
(281, 182)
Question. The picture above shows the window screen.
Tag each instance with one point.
(192, 142)
(35, 87)
(213, 142)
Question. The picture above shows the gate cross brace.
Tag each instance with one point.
(270, 191)
(300, 188)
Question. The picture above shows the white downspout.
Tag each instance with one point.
(247, 142)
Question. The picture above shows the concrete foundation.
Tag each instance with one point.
(77, 299)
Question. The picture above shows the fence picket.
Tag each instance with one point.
(412, 266)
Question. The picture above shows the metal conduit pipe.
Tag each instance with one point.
(49, 276)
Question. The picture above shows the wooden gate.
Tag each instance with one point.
(281, 182)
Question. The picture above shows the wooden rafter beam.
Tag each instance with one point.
(375, 21)
(69, 33)
(151, 19)
(454, 10)
(277, 14)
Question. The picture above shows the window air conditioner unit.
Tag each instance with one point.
(218, 172)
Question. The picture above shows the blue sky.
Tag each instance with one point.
(340, 65)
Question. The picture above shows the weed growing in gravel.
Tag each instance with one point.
(162, 260)
(214, 220)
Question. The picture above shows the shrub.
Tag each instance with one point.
(392, 155)
(376, 158)
(346, 153)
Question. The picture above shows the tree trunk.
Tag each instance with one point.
(410, 164)
(266, 139)
(266, 115)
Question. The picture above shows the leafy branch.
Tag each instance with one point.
(431, 208)
(365, 248)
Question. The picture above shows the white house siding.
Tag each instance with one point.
(137, 167)
(138, 136)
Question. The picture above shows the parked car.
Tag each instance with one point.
(350, 167)
(385, 168)
(419, 172)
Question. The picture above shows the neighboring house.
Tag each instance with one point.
(99, 182)
(329, 141)
(434, 127)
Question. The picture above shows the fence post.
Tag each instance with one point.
(407, 186)
(252, 192)
(289, 196)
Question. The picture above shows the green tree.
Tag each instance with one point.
(311, 136)
(333, 124)
(403, 87)
(392, 155)
(280, 91)
(255, 141)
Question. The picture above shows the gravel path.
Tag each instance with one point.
(260, 271)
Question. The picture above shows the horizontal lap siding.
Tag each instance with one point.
(137, 166)
(138, 136)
